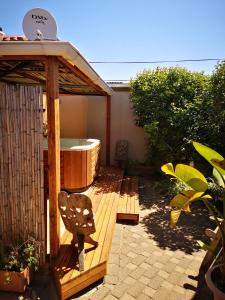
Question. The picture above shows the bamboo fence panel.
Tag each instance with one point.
(21, 164)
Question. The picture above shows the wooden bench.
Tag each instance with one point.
(104, 194)
(128, 207)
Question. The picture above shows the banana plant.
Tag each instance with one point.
(197, 186)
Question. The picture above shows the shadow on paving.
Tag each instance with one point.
(190, 228)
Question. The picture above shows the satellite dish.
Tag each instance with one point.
(39, 24)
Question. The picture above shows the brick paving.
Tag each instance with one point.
(152, 261)
(149, 260)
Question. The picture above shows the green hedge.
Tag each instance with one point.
(175, 106)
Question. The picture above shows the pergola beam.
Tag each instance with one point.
(108, 128)
(52, 91)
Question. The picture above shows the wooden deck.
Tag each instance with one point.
(128, 207)
(106, 199)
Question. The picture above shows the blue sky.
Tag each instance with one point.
(132, 30)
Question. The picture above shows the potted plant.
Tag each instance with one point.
(196, 189)
(17, 263)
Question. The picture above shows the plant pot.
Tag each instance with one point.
(217, 293)
(12, 281)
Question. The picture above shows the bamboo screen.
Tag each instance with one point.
(21, 163)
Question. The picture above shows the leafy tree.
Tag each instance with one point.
(166, 103)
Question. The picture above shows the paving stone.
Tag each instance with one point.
(124, 260)
(194, 265)
(144, 245)
(182, 280)
(189, 295)
(152, 259)
(144, 297)
(167, 285)
(112, 269)
(157, 253)
(155, 282)
(144, 280)
(178, 254)
(184, 263)
(125, 249)
(178, 289)
(191, 272)
(176, 296)
(110, 297)
(131, 266)
(169, 267)
(114, 259)
(163, 274)
(136, 274)
(100, 294)
(149, 291)
(123, 273)
(110, 279)
(139, 259)
(109, 286)
(144, 266)
(158, 265)
(131, 254)
(150, 272)
(127, 297)
(174, 260)
(134, 245)
(129, 280)
(163, 259)
(179, 269)
(161, 294)
(136, 236)
(115, 249)
(173, 277)
(120, 290)
(145, 253)
(136, 289)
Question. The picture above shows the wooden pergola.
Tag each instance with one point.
(59, 68)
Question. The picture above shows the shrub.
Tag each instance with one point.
(163, 102)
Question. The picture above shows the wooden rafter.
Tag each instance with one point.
(81, 75)
(32, 77)
(18, 66)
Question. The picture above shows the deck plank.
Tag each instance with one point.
(128, 207)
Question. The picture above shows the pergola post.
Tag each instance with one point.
(108, 128)
(52, 91)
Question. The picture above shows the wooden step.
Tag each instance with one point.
(128, 207)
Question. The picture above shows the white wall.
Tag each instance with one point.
(73, 116)
(123, 126)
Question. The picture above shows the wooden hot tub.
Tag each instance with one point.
(79, 162)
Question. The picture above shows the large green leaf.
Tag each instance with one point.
(168, 169)
(174, 216)
(184, 199)
(219, 179)
(192, 177)
(213, 157)
(179, 201)
(205, 246)
(189, 175)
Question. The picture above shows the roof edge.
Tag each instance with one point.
(55, 48)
